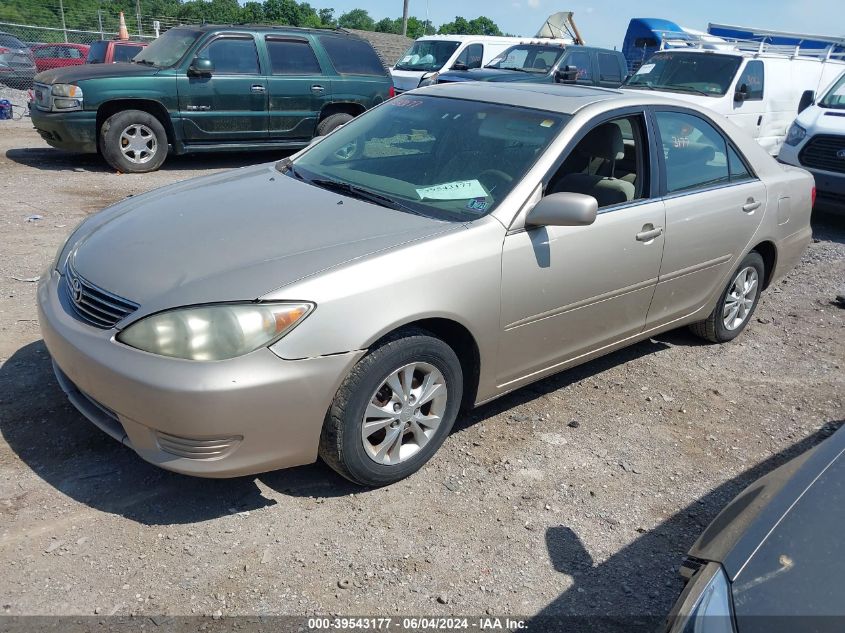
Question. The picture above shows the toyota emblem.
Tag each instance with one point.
(76, 290)
(841, 154)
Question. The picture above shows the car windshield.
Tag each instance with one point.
(835, 97)
(10, 41)
(427, 55)
(168, 49)
(528, 58)
(694, 73)
(444, 158)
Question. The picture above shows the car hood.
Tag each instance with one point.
(818, 120)
(233, 236)
(488, 74)
(772, 510)
(73, 74)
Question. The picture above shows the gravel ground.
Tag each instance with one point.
(578, 495)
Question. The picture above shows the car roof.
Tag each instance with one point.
(565, 99)
(267, 28)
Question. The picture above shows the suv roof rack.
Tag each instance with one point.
(765, 44)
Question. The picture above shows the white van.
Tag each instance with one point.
(433, 54)
(759, 90)
(816, 142)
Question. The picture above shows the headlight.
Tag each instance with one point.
(707, 607)
(795, 135)
(66, 90)
(214, 332)
(428, 80)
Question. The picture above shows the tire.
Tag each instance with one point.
(720, 327)
(343, 443)
(119, 135)
(332, 122)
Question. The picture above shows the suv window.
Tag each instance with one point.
(233, 56)
(694, 152)
(609, 163)
(581, 60)
(753, 79)
(124, 52)
(11, 41)
(352, 56)
(291, 57)
(609, 69)
(470, 57)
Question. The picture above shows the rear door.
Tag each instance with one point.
(297, 87)
(231, 103)
(714, 204)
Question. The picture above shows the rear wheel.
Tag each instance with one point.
(394, 410)
(737, 303)
(133, 141)
(332, 122)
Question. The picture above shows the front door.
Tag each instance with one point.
(297, 88)
(568, 291)
(749, 110)
(714, 204)
(231, 102)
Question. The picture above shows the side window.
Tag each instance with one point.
(291, 57)
(608, 163)
(753, 79)
(581, 60)
(470, 57)
(352, 56)
(73, 53)
(609, 69)
(124, 53)
(736, 166)
(233, 56)
(694, 152)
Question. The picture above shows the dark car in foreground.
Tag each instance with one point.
(210, 88)
(774, 559)
(538, 62)
(17, 66)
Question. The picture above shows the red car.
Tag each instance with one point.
(49, 56)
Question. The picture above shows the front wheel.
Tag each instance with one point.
(394, 410)
(133, 141)
(737, 303)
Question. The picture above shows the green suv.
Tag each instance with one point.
(210, 88)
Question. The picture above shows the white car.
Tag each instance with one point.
(816, 142)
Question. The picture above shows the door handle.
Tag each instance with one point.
(751, 205)
(648, 234)
(257, 88)
(317, 88)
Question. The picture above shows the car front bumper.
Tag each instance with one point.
(829, 185)
(227, 418)
(71, 131)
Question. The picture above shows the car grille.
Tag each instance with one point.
(94, 305)
(821, 152)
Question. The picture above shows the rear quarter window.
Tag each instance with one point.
(352, 56)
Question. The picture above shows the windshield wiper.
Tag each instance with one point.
(285, 166)
(146, 62)
(360, 193)
(683, 89)
(646, 86)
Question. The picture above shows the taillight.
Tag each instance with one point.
(3, 51)
(813, 198)
(391, 93)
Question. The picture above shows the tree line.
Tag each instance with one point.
(86, 14)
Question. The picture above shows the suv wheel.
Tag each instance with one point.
(331, 123)
(393, 410)
(133, 141)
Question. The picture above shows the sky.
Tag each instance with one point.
(603, 22)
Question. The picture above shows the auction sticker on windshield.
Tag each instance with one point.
(646, 69)
(458, 190)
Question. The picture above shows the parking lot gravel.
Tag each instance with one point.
(577, 495)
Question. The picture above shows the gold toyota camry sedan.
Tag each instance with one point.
(449, 246)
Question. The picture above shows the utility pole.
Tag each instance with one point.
(100, 20)
(138, 14)
(405, 18)
(62, 10)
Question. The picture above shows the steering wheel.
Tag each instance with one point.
(491, 178)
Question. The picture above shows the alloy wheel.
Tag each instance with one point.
(740, 298)
(138, 143)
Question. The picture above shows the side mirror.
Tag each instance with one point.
(563, 209)
(741, 94)
(807, 99)
(566, 74)
(201, 66)
(459, 66)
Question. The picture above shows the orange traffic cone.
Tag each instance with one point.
(122, 32)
